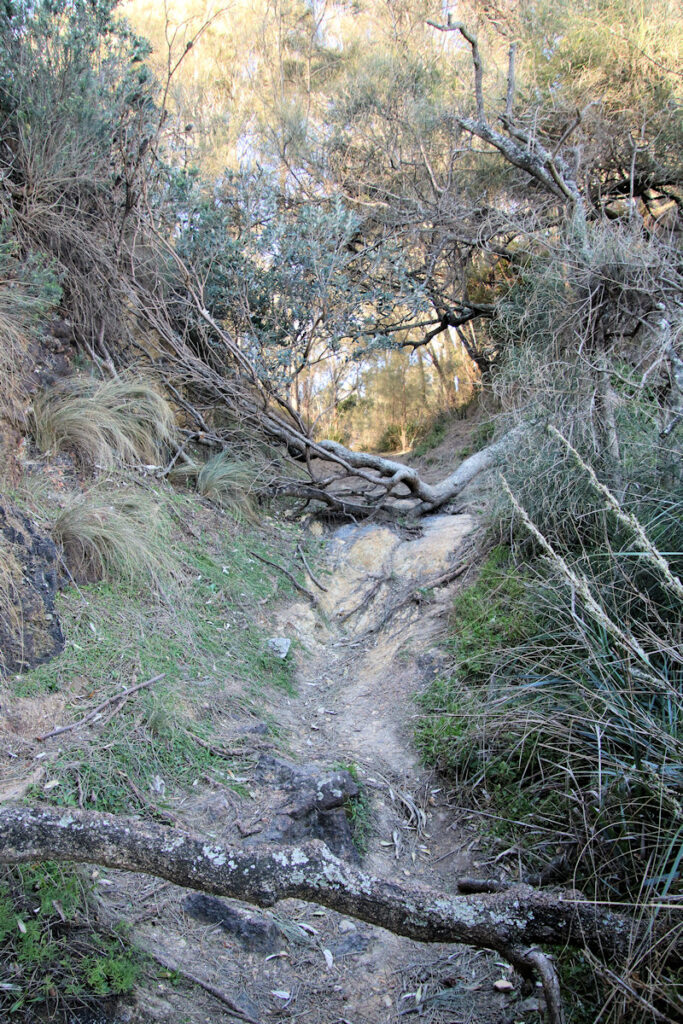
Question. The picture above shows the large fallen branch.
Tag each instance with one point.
(513, 921)
(219, 374)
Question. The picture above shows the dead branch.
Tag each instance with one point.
(233, 383)
(518, 147)
(290, 576)
(513, 922)
(307, 567)
(217, 993)
(412, 594)
(122, 696)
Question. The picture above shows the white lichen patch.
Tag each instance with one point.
(215, 855)
(299, 857)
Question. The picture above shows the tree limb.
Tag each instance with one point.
(511, 922)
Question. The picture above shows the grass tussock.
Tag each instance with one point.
(105, 423)
(562, 716)
(229, 482)
(104, 535)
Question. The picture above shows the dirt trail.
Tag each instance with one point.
(358, 670)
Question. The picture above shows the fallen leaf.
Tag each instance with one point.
(281, 993)
(329, 959)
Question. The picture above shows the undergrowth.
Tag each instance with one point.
(358, 810)
(203, 627)
(54, 962)
(562, 718)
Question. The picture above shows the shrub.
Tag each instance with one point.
(102, 423)
(53, 964)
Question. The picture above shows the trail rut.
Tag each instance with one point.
(358, 669)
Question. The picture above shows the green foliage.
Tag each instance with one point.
(53, 961)
(358, 810)
(433, 436)
(78, 112)
(292, 279)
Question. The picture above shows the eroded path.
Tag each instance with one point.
(361, 657)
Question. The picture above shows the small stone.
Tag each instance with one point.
(503, 985)
(279, 646)
(346, 926)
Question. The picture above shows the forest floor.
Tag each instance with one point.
(361, 653)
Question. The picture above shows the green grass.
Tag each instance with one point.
(206, 621)
(54, 962)
(358, 810)
(481, 436)
(433, 436)
(205, 628)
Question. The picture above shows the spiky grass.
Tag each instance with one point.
(104, 535)
(226, 481)
(564, 718)
(105, 423)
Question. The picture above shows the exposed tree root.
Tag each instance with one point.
(513, 922)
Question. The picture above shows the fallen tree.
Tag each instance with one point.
(514, 921)
(206, 368)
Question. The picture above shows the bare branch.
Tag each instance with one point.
(511, 922)
(511, 82)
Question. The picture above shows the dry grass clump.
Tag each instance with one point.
(227, 481)
(103, 423)
(104, 535)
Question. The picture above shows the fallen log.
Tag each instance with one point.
(514, 922)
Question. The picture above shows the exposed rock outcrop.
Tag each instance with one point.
(30, 632)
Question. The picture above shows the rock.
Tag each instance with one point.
(503, 985)
(279, 646)
(351, 944)
(312, 805)
(30, 632)
(255, 933)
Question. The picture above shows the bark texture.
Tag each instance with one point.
(510, 922)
